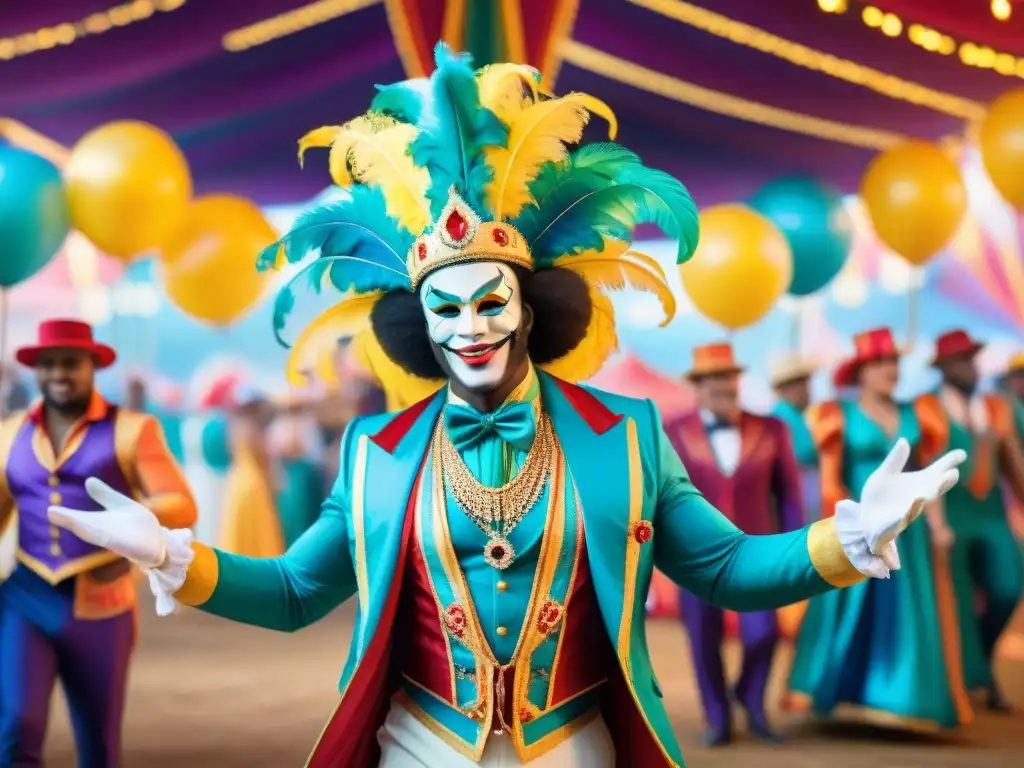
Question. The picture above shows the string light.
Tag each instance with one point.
(802, 56)
(832, 6)
(289, 23)
(623, 71)
(971, 54)
(59, 35)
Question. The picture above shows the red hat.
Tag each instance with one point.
(65, 334)
(877, 344)
(955, 344)
(712, 359)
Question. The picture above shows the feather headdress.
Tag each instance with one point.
(479, 164)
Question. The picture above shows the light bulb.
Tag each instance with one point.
(1001, 9)
(832, 6)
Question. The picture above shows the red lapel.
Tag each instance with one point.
(590, 409)
(391, 434)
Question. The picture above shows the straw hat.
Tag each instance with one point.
(788, 368)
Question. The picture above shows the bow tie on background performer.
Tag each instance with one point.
(69, 604)
(480, 248)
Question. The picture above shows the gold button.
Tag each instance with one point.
(502, 631)
(56, 498)
(54, 532)
(55, 548)
(502, 586)
(54, 481)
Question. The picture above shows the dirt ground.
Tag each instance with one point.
(206, 692)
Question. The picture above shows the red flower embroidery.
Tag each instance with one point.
(455, 620)
(421, 251)
(525, 715)
(642, 532)
(548, 618)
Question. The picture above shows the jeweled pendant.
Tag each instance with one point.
(498, 553)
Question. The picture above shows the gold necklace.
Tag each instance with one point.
(497, 511)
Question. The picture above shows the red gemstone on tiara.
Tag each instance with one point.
(421, 251)
(500, 237)
(456, 226)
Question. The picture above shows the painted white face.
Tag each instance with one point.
(472, 311)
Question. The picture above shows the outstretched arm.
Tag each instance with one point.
(699, 549)
(284, 593)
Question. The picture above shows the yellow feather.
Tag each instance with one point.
(537, 135)
(314, 349)
(597, 346)
(318, 137)
(506, 89)
(373, 150)
(616, 268)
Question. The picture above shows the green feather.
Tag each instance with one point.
(453, 134)
(604, 191)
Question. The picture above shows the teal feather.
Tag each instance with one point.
(604, 192)
(358, 228)
(313, 274)
(453, 136)
(407, 101)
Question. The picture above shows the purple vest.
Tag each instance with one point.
(55, 553)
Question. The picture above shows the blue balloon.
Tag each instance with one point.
(815, 222)
(34, 216)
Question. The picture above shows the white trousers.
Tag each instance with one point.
(405, 742)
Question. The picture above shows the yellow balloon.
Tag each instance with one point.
(1001, 140)
(742, 266)
(209, 263)
(916, 199)
(128, 187)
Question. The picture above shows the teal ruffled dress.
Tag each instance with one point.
(888, 647)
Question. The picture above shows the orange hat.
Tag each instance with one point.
(712, 359)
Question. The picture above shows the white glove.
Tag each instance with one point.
(131, 531)
(890, 501)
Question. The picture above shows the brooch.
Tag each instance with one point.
(455, 620)
(643, 531)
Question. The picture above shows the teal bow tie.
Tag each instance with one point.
(467, 427)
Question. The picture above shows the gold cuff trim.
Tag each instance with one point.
(201, 577)
(827, 555)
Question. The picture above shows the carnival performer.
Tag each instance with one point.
(70, 603)
(890, 648)
(517, 515)
(791, 382)
(744, 465)
(1013, 385)
(984, 557)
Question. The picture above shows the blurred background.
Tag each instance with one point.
(864, 161)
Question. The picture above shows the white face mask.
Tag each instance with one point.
(472, 310)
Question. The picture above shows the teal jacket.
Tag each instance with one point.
(626, 474)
